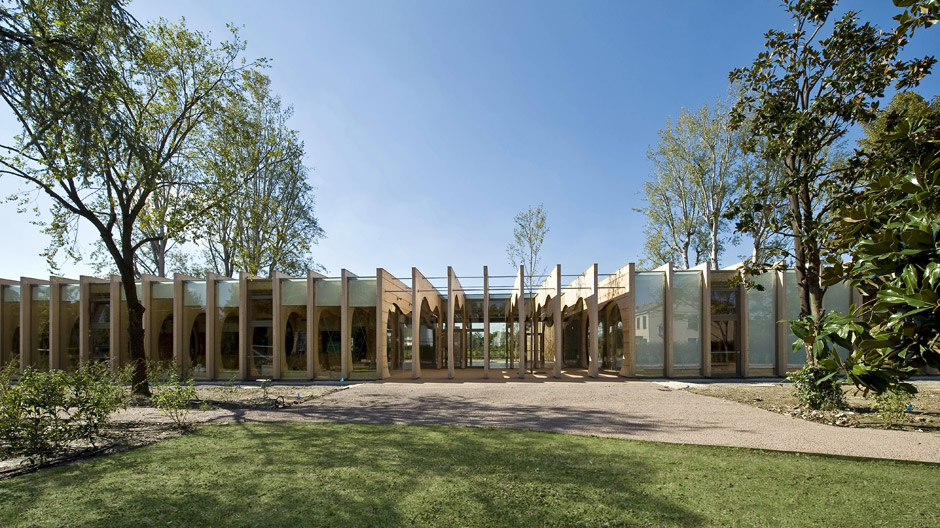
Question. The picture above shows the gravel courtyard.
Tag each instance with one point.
(611, 407)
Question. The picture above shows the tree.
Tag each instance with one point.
(105, 106)
(526, 249)
(697, 165)
(800, 97)
(272, 224)
(889, 223)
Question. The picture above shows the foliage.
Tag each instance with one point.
(817, 389)
(889, 223)
(105, 109)
(892, 405)
(801, 95)
(174, 398)
(271, 223)
(697, 165)
(46, 411)
(526, 247)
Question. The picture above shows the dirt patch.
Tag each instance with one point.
(924, 415)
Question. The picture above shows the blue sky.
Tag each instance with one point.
(429, 124)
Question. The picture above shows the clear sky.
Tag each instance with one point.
(429, 124)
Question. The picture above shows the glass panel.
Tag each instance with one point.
(194, 293)
(39, 292)
(226, 293)
(795, 359)
(10, 346)
(69, 293)
(328, 292)
(725, 347)
(362, 340)
(260, 321)
(328, 342)
(194, 328)
(11, 294)
(99, 322)
(294, 292)
(161, 290)
(39, 327)
(226, 328)
(649, 314)
(762, 326)
(362, 292)
(687, 319)
(294, 327)
(68, 327)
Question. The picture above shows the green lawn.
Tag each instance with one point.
(343, 475)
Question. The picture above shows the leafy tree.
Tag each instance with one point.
(801, 96)
(889, 223)
(526, 250)
(105, 107)
(271, 225)
(697, 165)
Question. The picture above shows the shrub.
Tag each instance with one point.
(174, 398)
(892, 405)
(817, 388)
(45, 412)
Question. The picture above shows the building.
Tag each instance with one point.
(688, 323)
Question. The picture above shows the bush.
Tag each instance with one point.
(45, 412)
(174, 398)
(892, 405)
(818, 388)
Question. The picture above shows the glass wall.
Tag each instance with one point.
(838, 299)
(39, 326)
(10, 331)
(294, 328)
(362, 336)
(572, 338)
(687, 322)
(797, 358)
(69, 333)
(762, 327)
(612, 350)
(260, 329)
(194, 328)
(99, 322)
(160, 322)
(499, 338)
(328, 298)
(226, 329)
(650, 304)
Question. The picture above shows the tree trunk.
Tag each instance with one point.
(713, 234)
(135, 330)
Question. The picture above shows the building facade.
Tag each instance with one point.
(660, 323)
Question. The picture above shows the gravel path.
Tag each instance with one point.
(632, 409)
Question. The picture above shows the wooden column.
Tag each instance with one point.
(593, 320)
(450, 322)
(558, 323)
(522, 321)
(486, 323)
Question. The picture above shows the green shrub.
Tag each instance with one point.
(818, 388)
(45, 412)
(174, 399)
(892, 405)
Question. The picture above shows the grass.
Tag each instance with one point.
(371, 475)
